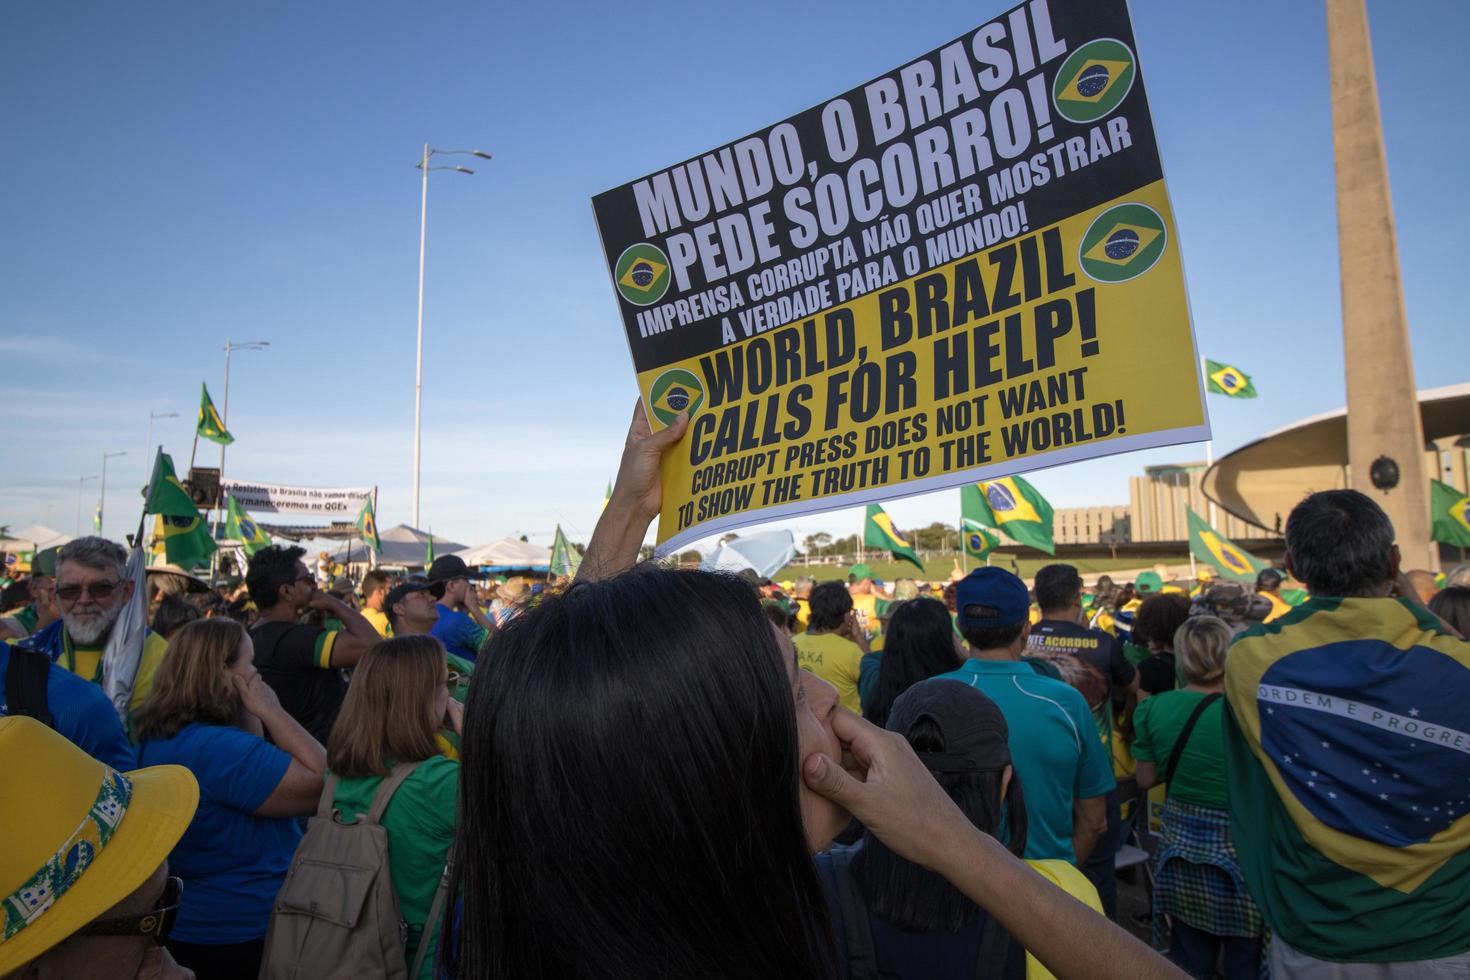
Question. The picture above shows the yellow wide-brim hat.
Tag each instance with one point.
(79, 836)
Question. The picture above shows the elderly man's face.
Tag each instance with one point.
(90, 600)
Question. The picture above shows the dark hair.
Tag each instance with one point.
(1453, 606)
(915, 898)
(1267, 578)
(371, 580)
(919, 645)
(271, 569)
(830, 604)
(630, 769)
(208, 602)
(1057, 587)
(777, 614)
(1159, 618)
(173, 611)
(15, 594)
(991, 639)
(1339, 542)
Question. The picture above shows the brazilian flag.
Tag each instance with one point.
(1450, 511)
(879, 532)
(1349, 779)
(979, 539)
(1225, 379)
(1213, 548)
(675, 391)
(179, 533)
(1094, 79)
(211, 426)
(564, 558)
(367, 526)
(241, 527)
(1013, 506)
(429, 551)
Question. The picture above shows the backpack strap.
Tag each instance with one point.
(329, 797)
(388, 787)
(1178, 752)
(25, 684)
(862, 958)
(436, 908)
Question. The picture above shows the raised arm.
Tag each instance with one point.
(895, 797)
(636, 498)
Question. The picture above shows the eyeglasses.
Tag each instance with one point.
(101, 591)
(155, 924)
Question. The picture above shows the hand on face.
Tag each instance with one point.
(257, 697)
(882, 782)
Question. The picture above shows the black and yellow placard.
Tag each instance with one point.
(961, 270)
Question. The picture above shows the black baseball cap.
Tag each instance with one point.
(396, 594)
(447, 568)
(976, 737)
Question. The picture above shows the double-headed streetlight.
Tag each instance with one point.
(102, 496)
(418, 376)
(224, 415)
(82, 482)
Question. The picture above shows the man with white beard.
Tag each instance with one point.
(92, 588)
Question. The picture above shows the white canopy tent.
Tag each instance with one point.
(765, 554)
(37, 537)
(508, 554)
(403, 546)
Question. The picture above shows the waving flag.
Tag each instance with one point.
(879, 532)
(1450, 511)
(211, 426)
(1348, 760)
(367, 526)
(1013, 506)
(242, 527)
(564, 558)
(979, 539)
(1213, 548)
(180, 533)
(1223, 379)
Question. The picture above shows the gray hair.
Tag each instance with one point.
(94, 552)
(1339, 543)
(803, 585)
(1460, 576)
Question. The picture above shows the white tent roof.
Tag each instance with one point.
(37, 537)
(402, 545)
(508, 553)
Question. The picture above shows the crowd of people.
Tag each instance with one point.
(655, 772)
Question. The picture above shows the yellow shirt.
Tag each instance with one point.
(86, 663)
(834, 659)
(378, 618)
(1279, 606)
(1065, 876)
(803, 613)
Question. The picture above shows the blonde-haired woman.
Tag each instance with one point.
(396, 705)
(208, 712)
(1179, 741)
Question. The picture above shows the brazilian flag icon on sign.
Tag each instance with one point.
(642, 274)
(1094, 80)
(1122, 243)
(675, 391)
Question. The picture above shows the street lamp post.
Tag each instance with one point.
(418, 376)
(148, 452)
(102, 496)
(80, 484)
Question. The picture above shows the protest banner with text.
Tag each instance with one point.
(964, 269)
(269, 498)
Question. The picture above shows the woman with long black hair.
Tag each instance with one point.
(646, 774)
(920, 644)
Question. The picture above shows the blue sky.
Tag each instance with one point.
(178, 174)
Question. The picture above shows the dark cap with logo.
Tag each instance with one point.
(974, 731)
(990, 599)
(447, 568)
(416, 584)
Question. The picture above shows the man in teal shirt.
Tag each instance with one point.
(1064, 770)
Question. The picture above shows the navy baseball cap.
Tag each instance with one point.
(990, 599)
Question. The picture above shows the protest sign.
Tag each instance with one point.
(964, 269)
(266, 498)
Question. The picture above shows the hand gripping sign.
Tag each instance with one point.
(961, 270)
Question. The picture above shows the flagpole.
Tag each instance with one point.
(1209, 443)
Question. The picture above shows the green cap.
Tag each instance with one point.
(44, 562)
(860, 571)
(1148, 582)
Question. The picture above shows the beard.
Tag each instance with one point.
(88, 629)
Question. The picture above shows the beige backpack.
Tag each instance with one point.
(336, 915)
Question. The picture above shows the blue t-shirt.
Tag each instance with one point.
(460, 634)
(232, 862)
(81, 713)
(1054, 747)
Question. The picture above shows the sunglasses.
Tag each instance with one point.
(101, 591)
(155, 924)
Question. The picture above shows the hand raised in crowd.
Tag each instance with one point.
(258, 697)
(882, 783)
(638, 485)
